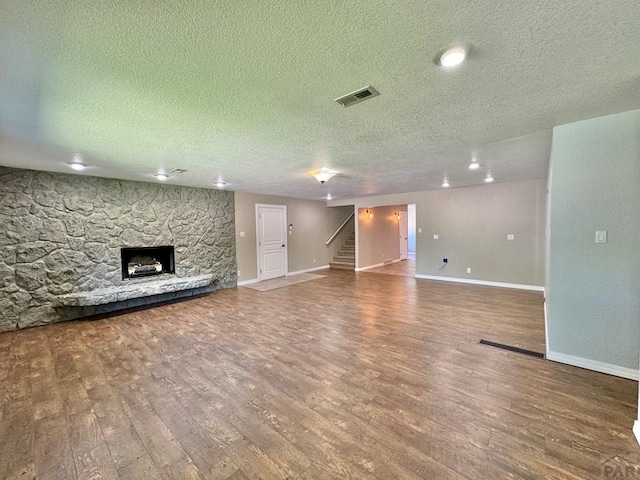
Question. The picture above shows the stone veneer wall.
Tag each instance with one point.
(63, 233)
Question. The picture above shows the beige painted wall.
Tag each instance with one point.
(473, 223)
(593, 306)
(378, 237)
(311, 220)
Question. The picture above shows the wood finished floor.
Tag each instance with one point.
(352, 376)
(406, 268)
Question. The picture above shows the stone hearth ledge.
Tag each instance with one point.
(120, 293)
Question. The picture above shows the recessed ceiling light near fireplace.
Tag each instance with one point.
(77, 163)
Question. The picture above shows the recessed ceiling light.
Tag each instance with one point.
(162, 177)
(446, 184)
(489, 179)
(328, 197)
(221, 184)
(474, 165)
(77, 166)
(76, 163)
(452, 56)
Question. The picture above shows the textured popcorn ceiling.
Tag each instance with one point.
(243, 90)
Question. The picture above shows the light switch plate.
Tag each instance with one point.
(601, 236)
(436, 237)
(242, 234)
(419, 230)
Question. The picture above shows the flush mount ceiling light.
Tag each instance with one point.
(328, 197)
(162, 176)
(489, 179)
(323, 175)
(221, 184)
(452, 56)
(446, 184)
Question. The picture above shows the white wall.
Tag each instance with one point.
(593, 290)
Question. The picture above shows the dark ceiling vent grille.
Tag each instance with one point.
(357, 96)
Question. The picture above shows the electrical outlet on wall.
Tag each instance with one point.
(239, 273)
(468, 269)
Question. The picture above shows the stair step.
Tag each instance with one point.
(342, 266)
(345, 259)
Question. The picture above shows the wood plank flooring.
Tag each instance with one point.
(353, 376)
(406, 268)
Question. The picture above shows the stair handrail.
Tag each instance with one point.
(339, 228)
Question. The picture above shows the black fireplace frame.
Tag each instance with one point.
(164, 254)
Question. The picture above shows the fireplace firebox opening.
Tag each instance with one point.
(145, 261)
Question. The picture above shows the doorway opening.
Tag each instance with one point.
(386, 240)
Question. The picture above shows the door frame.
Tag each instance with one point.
(258, 246)
(403, 215)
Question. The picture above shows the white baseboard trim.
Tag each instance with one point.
(307, 270)
(636, 430)
(624, 372)
(546, 329)
(248, 282)
(518, 286)
(370, 267)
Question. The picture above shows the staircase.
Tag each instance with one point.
(345, 259)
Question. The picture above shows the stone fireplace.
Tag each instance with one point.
(147, 261)
(62, 239)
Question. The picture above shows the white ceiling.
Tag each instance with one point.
(243, 90)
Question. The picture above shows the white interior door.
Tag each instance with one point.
(403, 224)
(272, 241)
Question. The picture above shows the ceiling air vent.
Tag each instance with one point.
(357, 96)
